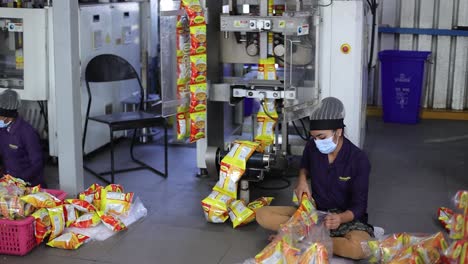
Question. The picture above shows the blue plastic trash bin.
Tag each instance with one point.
(402, 82)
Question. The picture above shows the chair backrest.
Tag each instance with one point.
(111, 68)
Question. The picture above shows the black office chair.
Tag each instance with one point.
(111, 68)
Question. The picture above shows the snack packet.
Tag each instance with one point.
(198, 40)
(114, 188)
(41, 200)
(8, 179)
(81, 205)
(182, 125)
(182, 40)
(228, 179)
(111, 222)
(42, 224)
(270, 69)
(115, 202)
(457, 225)
(260, 202)
(444, 215)
(183, 69)
(194, 11)
(265, 130)
(11, 207)
(57, 221)
(317, 254)
(88, 194)
(215, 206)
(199, 67)
(239, 153)
(87, 220)
(271, 254)
(461, 200)
(68, 241)
(197, 126)
(457, 252)
(240, 214)
(70, 214)
(198, 97)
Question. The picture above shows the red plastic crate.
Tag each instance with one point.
(17, 236)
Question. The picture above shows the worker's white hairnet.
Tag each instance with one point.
(328, 114)
(9, 103)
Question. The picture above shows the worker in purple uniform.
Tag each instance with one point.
(20, 149)
(339, 175)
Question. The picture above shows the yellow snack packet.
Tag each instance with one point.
(265, 130)
(87, 220)
(260, 202)
(70, 214)
(240, 214)
(88, 194)
(111, 222)
(41, 224)
(57, 221)
(317, 254)
(41, 200)
(269, 68)
(215, 207)
(229, 176)
(115, 202)
(272, 253)
(240, 152)
(68, 241)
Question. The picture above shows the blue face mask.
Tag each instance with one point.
(326, 146)
(3, 124)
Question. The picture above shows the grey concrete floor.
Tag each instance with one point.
(415, 170)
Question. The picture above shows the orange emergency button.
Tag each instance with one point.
(346, 48)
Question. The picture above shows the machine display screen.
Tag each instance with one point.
(11, 53)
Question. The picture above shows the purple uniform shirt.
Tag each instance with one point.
(342, 185)
(21, 152)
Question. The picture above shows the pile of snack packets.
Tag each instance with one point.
(303, 239)
(222, 203)
(192, 68)
(416, 249)
(94, 206)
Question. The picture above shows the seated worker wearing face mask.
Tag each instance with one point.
(339, 174)
(20, 149)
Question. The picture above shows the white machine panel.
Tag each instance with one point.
(31, 24)
(108, 29)
(343, 61)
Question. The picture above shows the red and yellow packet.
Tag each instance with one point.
(198, 97)
(41, 200)
(115, 202)
(111, 222)
(215, 207)
(88, 194)
(57, 220)
(240, 214)
(68, 241)
(70, 214)
(260, 202)
(198, 67)
(42, 224)
(87, 220)
(197, 125)
(81, 205)
(197, 40)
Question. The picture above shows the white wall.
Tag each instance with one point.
(447, 82)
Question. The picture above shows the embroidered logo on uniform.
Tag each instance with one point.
(13, 146)
(345, 179)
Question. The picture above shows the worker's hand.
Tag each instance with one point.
(332, 221)
(301, 188)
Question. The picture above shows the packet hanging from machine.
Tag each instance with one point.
(265, 130)
(198, 68)
(182, 125)
(57, 220)
(240, 214)
(260, 202)
(194, 11)
(183, 69)
(229, 176)
(42, 224)
(116, 202)
(198, 97)
(270, 69)
(215, 207)
(240, 152)
(197, 126)
(182, 37)
(68, 241)
(41, 200)
(197, 40)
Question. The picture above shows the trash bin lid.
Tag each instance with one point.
(404, 54)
